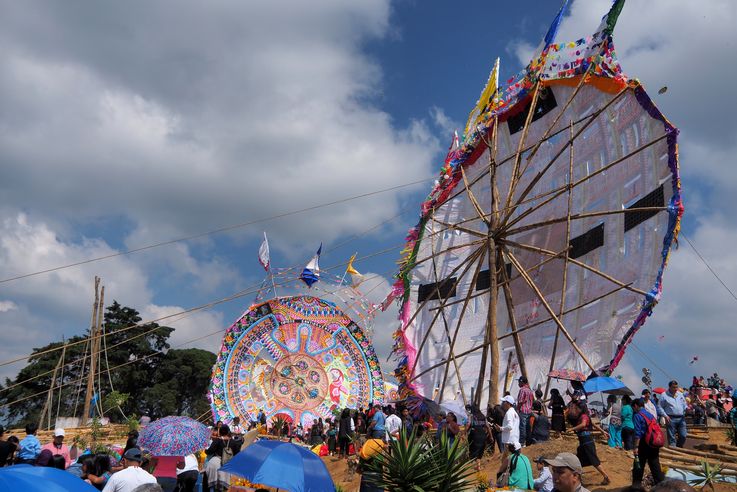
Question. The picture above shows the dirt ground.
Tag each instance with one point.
(617, 464)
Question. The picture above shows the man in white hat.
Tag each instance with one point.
(57, 446)
(132, 476)
(567, 471)
(510, 424)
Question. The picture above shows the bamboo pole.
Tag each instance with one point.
(547, 167)
(46, 410)
(565, 258)
(511, 279)
(460, 319)
(492, 339)
(466, 264)
(100, 331)
(586, 215)
(578, 263)
(513, 322)
(472, 198)
(545, 304)
(93, 345)
(450, 226)
(447, 331)
(583, 304)
(704, 454)
(514, 178)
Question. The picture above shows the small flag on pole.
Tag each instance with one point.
(311, 272)
(356, 277)
(263, 253)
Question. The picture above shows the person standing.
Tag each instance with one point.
(525, 398)
(441, 423)
(187, 473)
(57, 446)
(495, 418)
(377, 427)
(645, 452)
(578, 415)
(478, 433)
(614, 411)
(628, 425)
(393, 424)
(510, 425)
(345, 433)
(673, 406)
(733, 418)
(649, 405)
(557, 410)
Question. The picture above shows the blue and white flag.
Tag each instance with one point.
(311, 272)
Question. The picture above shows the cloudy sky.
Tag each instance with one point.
(127, 124)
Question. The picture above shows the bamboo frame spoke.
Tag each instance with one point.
(466, 264)
(547, 307)
(447, 331)
(584, 215)
(575, 262)
(563, 189)
(562, 313)
(572, 139)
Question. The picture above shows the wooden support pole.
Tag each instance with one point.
(93, 354)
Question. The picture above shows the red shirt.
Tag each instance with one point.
(167, 466)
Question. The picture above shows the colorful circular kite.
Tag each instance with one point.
(300, 358)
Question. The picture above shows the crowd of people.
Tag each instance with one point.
(630, 424)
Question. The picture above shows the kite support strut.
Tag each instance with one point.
(545, 304)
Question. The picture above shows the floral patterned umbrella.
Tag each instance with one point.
(174, 436)
(567, 374)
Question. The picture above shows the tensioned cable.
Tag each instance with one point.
(681, 234)
(214, 231)
(197, 308)
(157, 352)
(234, 296)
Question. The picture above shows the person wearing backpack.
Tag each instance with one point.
(221, 451)
(648, 441)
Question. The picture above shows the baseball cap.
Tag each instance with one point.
(509, 399)
(646, 391)
(59, 433)
(133, 454)
(568, 460)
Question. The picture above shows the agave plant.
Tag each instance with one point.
(278, 424)
(707, 476)
(410, 464)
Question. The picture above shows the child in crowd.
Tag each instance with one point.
(30, 447)
(544, 480)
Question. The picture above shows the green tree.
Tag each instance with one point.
(28, 391)
(179, 384)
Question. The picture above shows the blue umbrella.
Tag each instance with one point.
(605, 384)
(282, 465)
(41, 479)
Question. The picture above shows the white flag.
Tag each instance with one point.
(263, 253)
